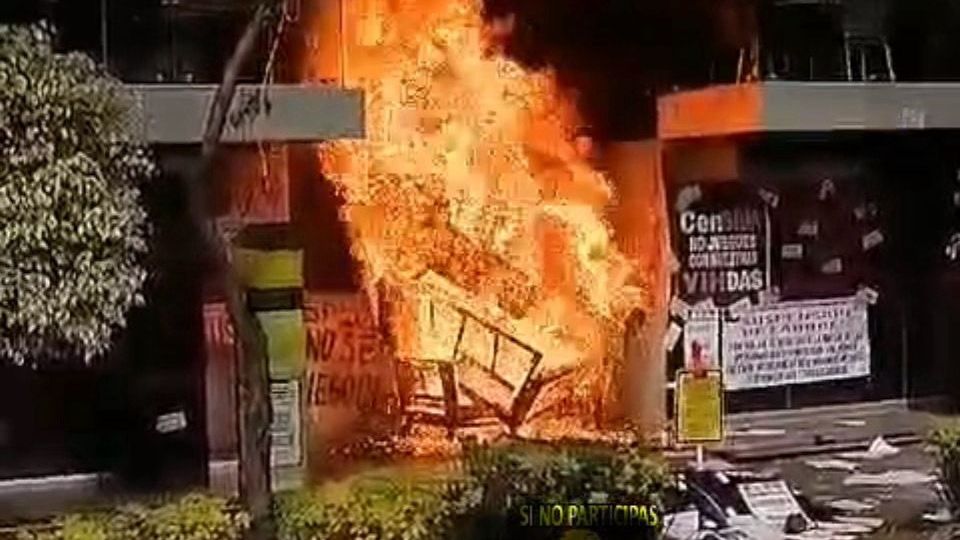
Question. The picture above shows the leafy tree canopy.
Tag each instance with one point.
(72, 228)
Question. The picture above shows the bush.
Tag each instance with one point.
(194, 517)
(388, 509)
(480, 501)
(946, 443)
(511, 477)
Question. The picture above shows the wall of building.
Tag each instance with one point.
(896, 185)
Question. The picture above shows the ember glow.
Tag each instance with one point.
(469, 195)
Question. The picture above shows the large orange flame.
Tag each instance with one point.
(469, 174)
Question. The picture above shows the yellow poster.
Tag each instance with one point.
(286, 342)
(699, 414)
(276, 269)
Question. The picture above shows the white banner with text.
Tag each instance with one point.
(796, 343)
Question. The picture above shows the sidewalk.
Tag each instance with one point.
(781, 434)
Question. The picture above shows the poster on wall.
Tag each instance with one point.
(350, 377)
(286, 443)
(721, 242)
(701, 339)
(797, 342)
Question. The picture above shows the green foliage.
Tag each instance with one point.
(519, 475)
(946, 443)
(492, 485)
(389, 509)
(194, 517)
(72, 229)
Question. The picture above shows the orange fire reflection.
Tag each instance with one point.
(469, 194)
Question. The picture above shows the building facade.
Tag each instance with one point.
(814, 210)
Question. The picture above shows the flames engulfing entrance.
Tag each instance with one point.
(470, 199)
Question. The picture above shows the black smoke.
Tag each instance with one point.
(616, 55)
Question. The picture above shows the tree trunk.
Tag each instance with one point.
(253, 395)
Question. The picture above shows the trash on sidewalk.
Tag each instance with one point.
(681, 525)
(850, 423)
(850, 505)
(873, 523)
(903, 477)
(772, 502)
(759, 432)
(878, 449)
(832, 464)
(941, 516)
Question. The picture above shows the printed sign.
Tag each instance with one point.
(771, 501)
(721, 244)
(286, 442)
(797, 342)
(699, 407)
(701, 339)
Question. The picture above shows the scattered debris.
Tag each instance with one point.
(850, 505)
(758, 432)
(878, 449)
(832, 464)
(850, 423)
(872, 523)
(901, 477)
(836, 527)
(681, 525)
(941, 516)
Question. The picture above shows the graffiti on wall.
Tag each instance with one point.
(350, 377)
(348, 366)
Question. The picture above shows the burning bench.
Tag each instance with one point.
(474, 364)
(476, 387)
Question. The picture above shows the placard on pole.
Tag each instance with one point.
(699, 408)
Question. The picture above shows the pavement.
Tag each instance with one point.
(818, 430)
(824, 456)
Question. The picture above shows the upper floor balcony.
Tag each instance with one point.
(172, 54)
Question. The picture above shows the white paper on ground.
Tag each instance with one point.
(942, 515)
(844, 528)
(903, 477)
(681, 525)
(755, 527)
(832, 464)
(758, 432)
(878, 449)
(850, 505)
(771, 501)
(871, 523)
(850, 423)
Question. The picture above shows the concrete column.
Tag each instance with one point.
(642, 233)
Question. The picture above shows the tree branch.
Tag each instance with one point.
(253, 395)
